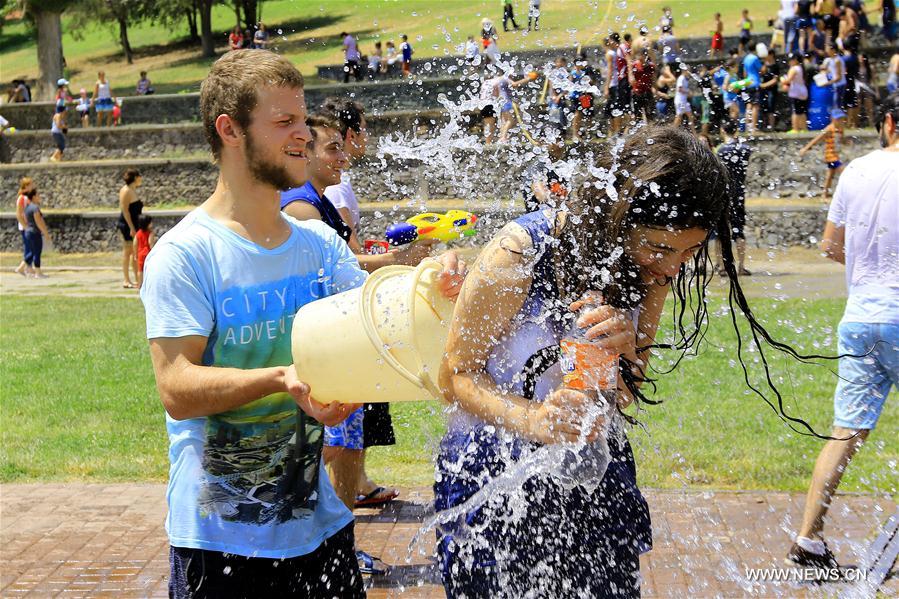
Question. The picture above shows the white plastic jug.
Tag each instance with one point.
(381, 342)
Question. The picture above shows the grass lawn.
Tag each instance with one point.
(78, 401)
(309, 34)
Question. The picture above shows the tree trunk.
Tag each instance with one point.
(123, 39)
(206, 38)
(249, 13)
(236, 6)
(192, 23)
(49, 52)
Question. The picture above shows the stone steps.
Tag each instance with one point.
(775, 171)
(381, 96)
(178, 140)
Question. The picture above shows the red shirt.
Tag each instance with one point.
(644, 76)
(143, 243)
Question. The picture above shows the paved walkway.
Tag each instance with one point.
(796, 272)
(96, 540)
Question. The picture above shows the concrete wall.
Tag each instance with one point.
(486, 173)
(179, 108)
(170, 141)
(96, 184)
(163, 108)
(96, 232)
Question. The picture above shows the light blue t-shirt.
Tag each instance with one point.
(752, 64)
(249, 481)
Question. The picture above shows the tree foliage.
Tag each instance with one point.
(120, 13)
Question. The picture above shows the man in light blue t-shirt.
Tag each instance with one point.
(251, 512)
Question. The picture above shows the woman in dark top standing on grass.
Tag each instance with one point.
(131, 208)
(35, 231)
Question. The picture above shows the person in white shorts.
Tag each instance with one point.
(862, 232)
(682, 106)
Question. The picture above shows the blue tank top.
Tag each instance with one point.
(330, 215)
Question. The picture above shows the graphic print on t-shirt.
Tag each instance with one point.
(261, 461)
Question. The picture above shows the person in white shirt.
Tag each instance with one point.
(682, 106)
(787, 16)
(862, 232)
(534, 14)
(472, 53)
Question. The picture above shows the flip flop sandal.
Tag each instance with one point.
(367, 564)
(379, 496)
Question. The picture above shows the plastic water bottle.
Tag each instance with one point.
(592, 370)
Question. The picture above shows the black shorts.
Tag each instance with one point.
(611, 101)
(752, 95)
(850, 98)
(329, 571)
(799, 106)
(645, 103)
(623, 99)
(60, 140)
(488, 112)
(377, 425)
(769, 102)
(125, 231)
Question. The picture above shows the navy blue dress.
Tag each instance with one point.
(556, 541)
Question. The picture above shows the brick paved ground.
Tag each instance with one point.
(95, 540)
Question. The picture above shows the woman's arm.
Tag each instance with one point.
(124, 202)
(41, 223)
(20, 214)
(493, 293)
(491, 296)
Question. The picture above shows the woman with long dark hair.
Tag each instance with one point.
(601, 268)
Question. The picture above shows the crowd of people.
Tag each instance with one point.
(134, 226)
(247, 39)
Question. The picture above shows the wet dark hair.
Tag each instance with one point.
(348, 113)
(130, 176)
(730, 126)
(143, 221)
(662, 177)
(889, 106)
(323, 120)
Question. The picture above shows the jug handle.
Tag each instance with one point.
(422, 380)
